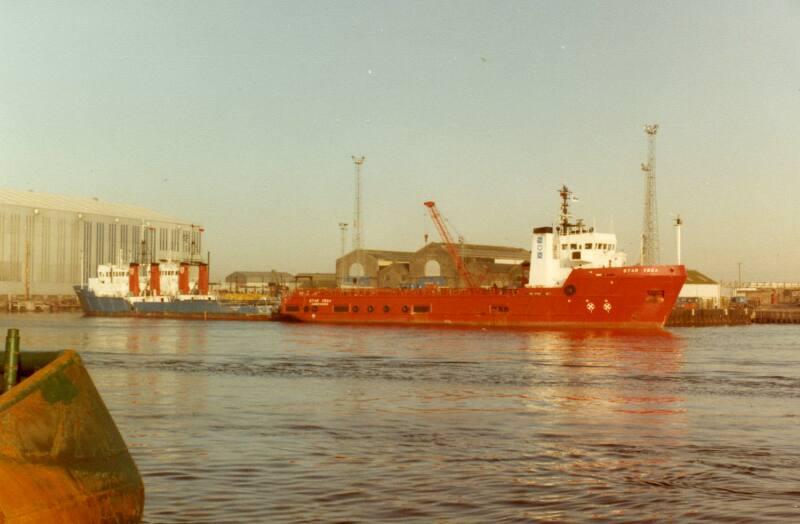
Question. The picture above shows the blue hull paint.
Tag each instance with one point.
(202, 309)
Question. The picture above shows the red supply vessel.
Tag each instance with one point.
(577, 279)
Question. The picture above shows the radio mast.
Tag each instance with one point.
(650, 255)
(343, 229)
(358, 226)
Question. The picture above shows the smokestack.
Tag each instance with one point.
(183, 279)
(133, 279)
(155, 279)
(202, 279)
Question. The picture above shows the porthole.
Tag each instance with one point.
(569, 290)
(354, 309)
(370, 309)
(405, 309)
(386, 309)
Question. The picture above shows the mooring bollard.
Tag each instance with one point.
(11, 359)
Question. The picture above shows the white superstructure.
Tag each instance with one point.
(557, 251)
(166, 279)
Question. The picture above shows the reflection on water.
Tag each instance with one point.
(256, 422)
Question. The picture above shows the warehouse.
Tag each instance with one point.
(700, 289)
(49, 243)
(258, 281)
(499, 266)
(363, 266)
(432, 265)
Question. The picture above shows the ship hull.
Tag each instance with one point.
(621, 297)
(97, 306)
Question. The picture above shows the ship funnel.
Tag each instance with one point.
(183, 278)
(544, 265)
(155, 279)
(133, 279)
(202, 279)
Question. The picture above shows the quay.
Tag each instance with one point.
(709, 317)
(777, 315)
(39, 303)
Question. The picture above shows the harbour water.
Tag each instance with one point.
(270, 422)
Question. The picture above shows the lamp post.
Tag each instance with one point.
(739, 284)
(82, 243)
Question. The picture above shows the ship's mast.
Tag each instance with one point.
(565, 226)
(566, 195)
(358, 226)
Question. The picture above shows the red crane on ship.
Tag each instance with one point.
(451, 247)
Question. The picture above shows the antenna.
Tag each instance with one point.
(650, 255)
(358, 226)
(343, 229)
(566, 197)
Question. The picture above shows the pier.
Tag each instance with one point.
(709, 317)
(777, 315)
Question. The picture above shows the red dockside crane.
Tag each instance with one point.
(451, 247)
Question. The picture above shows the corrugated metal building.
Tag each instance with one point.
(48, 243)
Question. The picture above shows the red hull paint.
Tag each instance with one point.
(620, 297)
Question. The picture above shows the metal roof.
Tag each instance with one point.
(88, 206)
(257, 276)
(394, 256)
(484, 251)
(695, 277)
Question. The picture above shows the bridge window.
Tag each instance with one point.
(588, 245)
(564, 246)
(573, 246)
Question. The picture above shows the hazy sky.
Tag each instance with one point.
(242, 116)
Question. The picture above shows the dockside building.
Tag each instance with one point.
(49, 243)
(432, 264)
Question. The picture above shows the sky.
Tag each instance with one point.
(243, 117)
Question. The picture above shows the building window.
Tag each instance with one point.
(356, 270)
(433, 269)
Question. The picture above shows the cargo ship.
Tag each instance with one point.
(577, 279)
(162, 290)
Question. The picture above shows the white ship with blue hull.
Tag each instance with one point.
(162, 290)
